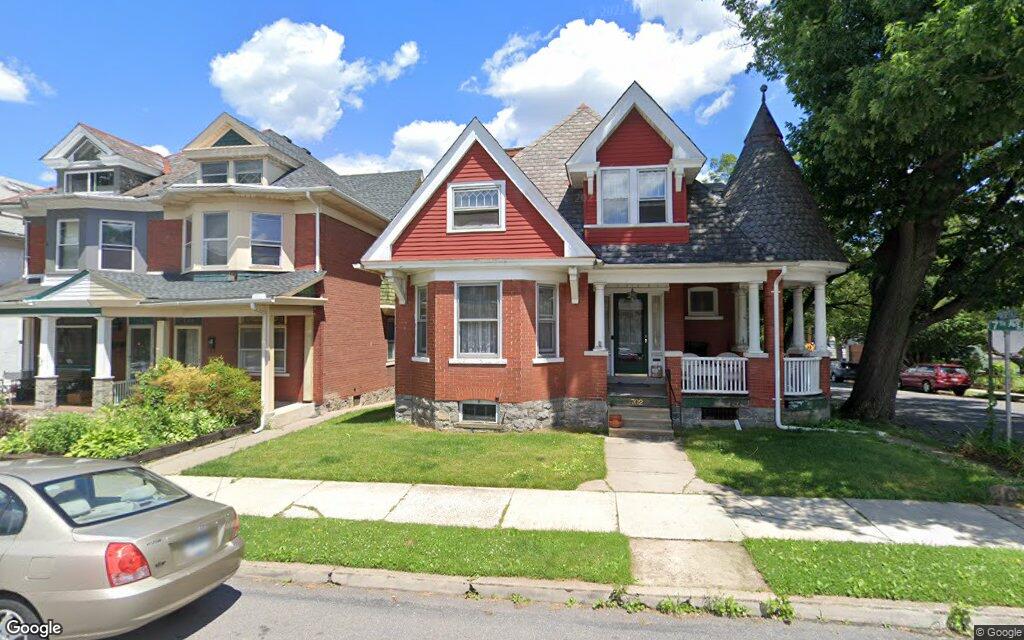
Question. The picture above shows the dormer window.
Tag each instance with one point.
(214, 172)
(248, 171)
(85, 151)
(236, 171)
(85, 181)
(477, 206)
(634, 195)
(231, 139)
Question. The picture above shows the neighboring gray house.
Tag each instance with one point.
(12, 252)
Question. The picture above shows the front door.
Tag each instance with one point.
(630, 333)
(140, 349)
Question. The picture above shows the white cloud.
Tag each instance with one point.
(48, 177)
(723, 100)
(292, 77)
(17, 82)
(158, 148)
(416, 145)
(693, 18)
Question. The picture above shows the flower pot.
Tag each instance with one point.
(615, 420)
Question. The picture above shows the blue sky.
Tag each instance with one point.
(144, 72)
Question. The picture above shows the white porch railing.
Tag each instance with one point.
(802, 376)
(122, 389)
(714, 375)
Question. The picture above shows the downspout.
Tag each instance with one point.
(262, 298)
(775, 356)
(316, 227)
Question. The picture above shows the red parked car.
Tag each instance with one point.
(936, 377)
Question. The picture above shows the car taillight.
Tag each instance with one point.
(125, 564)
(236, 525)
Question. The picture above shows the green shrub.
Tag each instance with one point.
(225, 391)
(10, 420)
(55, 433)
(109, 439)
(15, 442)
(778, 609)
(726, 607)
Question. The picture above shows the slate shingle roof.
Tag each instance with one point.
(176, 287)
(128, 149)
(181, 170)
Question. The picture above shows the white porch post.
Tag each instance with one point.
(46, 376)
(161, 339)
(307, 368)
(103, 381)
(753, 320)
(799, 336)
(267, 367)
(599, 344)
(820, 332)
(740, 318)
(28, 354)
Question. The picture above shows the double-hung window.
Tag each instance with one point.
(215, 239)
(477, 314)
(389, 336)
(477, 206)
(266, 239)
(249, 171)
(250, 345)
(634, 195)
(187, 250)
(421, 322)
(67, 244)
(702, 302)
(117, 241)
(547, 320)
(214, 172)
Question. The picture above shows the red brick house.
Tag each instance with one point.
(592, 272)
(241, 246)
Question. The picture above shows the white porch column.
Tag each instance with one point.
(599, 344)
(161, 339)
(799, 335)
(740, 318)
(307, 368)
(820, 331)
(28, 343)
(753, 320)
(104, 335)
(267, 367)
(47, 346)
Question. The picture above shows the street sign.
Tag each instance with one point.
(1006, 320)
(999, 341)
(1008, 339)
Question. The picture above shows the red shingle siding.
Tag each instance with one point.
(36, 246)
(305, 241)
(163, 246)
(637, 235)
(526, 235)
(349, 345)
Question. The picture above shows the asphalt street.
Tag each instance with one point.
(247, 609)
(945, 416)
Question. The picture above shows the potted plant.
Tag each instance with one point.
(615, 420)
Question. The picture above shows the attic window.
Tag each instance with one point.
(215, 172)
(634, 195)
(231, 139)
(478, 206)
(248, 171)
(84, 151)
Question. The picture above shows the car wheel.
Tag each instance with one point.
(15, 610)
(960, 391)
(926, 387)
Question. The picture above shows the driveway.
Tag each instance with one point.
(944, 416)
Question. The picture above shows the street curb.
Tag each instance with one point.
(896, 613)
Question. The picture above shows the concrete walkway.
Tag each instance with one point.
(648, 466)
(648, 515)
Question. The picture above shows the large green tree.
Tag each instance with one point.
(912, 143)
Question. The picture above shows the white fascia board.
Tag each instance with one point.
(220, 125)
(297, 193)
(475, 132)
(415, 265)
(61, 149)
(684, 152)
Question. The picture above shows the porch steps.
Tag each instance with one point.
(625, 394)
(290, 413)
(644, 409)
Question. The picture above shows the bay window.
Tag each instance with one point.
(421, 323)
(634, 195)
(478, 206)
(117, 242)
(250, 345)
(265, 245)
(67, 244)
(215, 239)
(477, 315)
(547, 320)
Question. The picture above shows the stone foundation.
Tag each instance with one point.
(794, 411)
(46, 392)
(102, 392)
(334, 402)
(570, 414)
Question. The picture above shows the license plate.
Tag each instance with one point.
(197, 547)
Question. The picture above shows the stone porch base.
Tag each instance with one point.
(570, 414)
(795, 410)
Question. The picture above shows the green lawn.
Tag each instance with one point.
(769, 462)
(372, 447)
(594, 557)
(893, 571)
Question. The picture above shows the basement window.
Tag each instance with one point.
(719, 413)
(478, 411)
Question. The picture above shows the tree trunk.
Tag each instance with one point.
(901, 264)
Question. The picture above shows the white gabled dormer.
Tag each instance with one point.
(228, 151)
(687, 159)
(89, 160)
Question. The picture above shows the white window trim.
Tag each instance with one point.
(477, 358)
(204, 239)
(131, 247)
(187, 229)
(416, 357)
(264, 243)
(497, 411)
(280, 364)
(702, 315)
(556, 357)
(634, 196)
(454, 186)
(228, 177)
(198, 328)
(91, 180)
(56, 255)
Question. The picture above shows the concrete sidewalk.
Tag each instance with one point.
(666, 516)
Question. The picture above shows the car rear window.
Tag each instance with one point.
(97, 497)
(955, 371)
